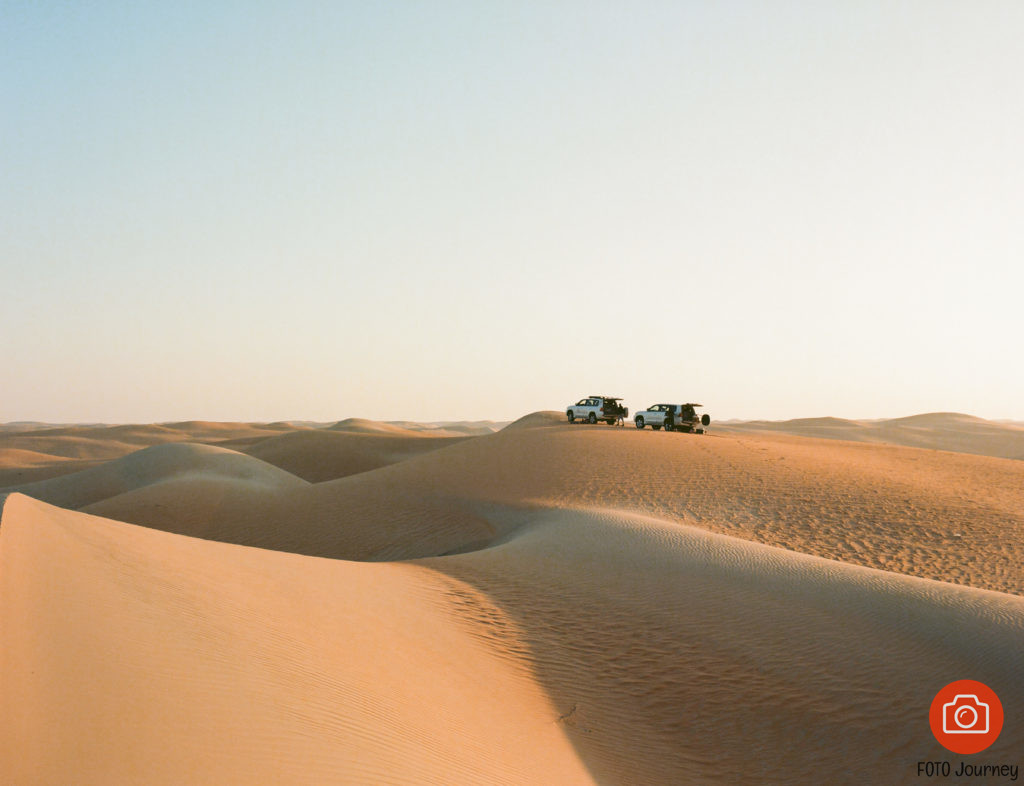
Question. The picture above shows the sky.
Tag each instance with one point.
(463, 210)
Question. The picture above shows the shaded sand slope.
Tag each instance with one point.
(674, 655)
(317, 456)
(938, 430)
(134, 656)
(159, 464)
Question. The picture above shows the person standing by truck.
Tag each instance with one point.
(621, 413)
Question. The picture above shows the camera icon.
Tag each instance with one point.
(966, 714)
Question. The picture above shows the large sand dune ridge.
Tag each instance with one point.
(544, 604)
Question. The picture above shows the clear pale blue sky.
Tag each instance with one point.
(259, 211)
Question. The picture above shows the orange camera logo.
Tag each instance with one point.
(966, 716)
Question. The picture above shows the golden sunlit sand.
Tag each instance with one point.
(392, 603)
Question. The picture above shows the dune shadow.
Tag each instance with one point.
(676, 656)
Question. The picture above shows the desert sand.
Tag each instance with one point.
(365, 602)
(938, 430)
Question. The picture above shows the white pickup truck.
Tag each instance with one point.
(674, 417)
(595, 408)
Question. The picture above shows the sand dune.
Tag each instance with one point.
(471, 427)
(537, 420)
(952, 517)
(71, 445)
(155, 465)
(18, 457)
(676, 655)
(938, 431)
(452, 428)
(408, 427)
(209, 663)
(90, 444)
(544, 604)
(663, 654)
(21, 426)
(208, 427)
(25, 466)
(945, 516)
(322, 455)
(107, 442)
(363, 426)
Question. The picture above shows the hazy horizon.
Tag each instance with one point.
(724, 421)
(260, 213)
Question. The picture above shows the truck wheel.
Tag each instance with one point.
(656, 428)
(610, 421)
(592, 418)
(700, 431)
(669, 426)
(571, 416)
(639, 422)
(705, 420)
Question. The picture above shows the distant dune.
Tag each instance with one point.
(537, 420)
(322, 455)
(21, 426)
(155, 465)
(938, 431)
(408, 427)
(362, 426)
(107, 442)
(543, 603)
(18, 457)
(473, 428)
(19, 466)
